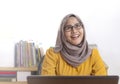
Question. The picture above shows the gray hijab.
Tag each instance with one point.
(72, 54)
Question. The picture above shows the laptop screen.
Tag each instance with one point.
(37, 79)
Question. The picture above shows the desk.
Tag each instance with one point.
(13, 82)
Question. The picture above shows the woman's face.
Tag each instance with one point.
(73, 31)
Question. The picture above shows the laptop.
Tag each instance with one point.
(37, 79)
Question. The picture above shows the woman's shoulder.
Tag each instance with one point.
(95, 51)
(51, 51)
(95, 54)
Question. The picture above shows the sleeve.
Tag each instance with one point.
(98, 67)
(49, 63)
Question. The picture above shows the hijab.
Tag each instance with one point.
(72, 54)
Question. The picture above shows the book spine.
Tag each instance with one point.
(8, 79)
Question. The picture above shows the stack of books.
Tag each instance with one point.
(27, 54)
(8, 76)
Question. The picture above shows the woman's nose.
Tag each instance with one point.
(73, 29)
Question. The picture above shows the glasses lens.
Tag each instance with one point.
(70, 27)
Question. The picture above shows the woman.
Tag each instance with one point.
(71, 55)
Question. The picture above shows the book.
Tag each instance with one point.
(8, 79)
(8, 76)
(8, 72)
(22, 75)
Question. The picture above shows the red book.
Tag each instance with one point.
(8, 72)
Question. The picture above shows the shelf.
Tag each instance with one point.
(13, 82)
(18, 68)
(24, 69)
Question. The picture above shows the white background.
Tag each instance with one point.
(39, 20)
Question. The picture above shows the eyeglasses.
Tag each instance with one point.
(69, 28)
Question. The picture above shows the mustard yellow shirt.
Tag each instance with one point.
(54, 64)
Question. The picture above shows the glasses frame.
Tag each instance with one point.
(69, 28)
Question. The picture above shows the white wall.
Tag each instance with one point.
(39, 21)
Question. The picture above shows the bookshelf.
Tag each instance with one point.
(26, 59)
(17, 69)
(13, 82)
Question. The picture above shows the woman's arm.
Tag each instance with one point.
(49, 63)
(98, 67)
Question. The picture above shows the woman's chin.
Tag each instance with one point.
(75, 43)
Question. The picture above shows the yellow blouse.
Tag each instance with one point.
(54, 64)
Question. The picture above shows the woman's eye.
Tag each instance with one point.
(77, 25)
(68, 27)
